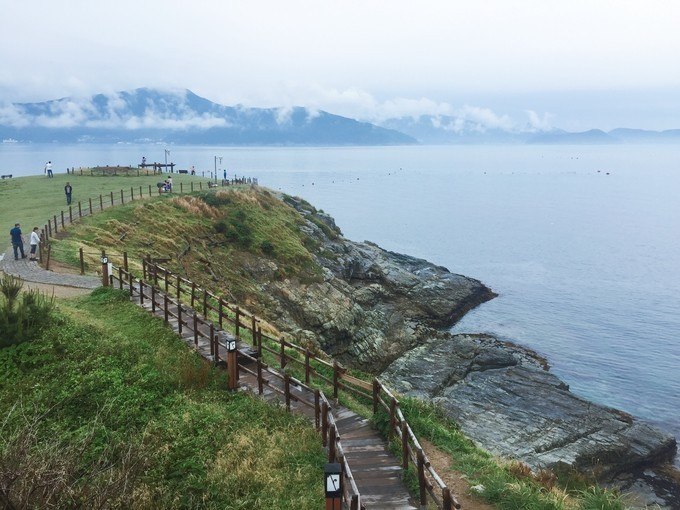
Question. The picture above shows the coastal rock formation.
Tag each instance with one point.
(506, 400)
(371, 305)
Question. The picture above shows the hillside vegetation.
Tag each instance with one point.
(106, 407)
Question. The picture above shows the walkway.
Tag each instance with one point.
(32, 272)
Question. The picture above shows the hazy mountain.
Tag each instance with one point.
(149, 115)
(593, 136)
(644, 136)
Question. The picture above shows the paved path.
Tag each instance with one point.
(32, 272)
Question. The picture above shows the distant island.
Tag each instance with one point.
(148, 115)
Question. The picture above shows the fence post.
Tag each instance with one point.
(404, 445)
(193, 293)
(212, 340)
(336, 376)
(179, 317)
(421, 478)
(180, 188)
(55, 224)
(324, 423)
(141, 292)
(286, 385)
(149, 185)
(219, 311)
(393, 407)
(112, 199)
(125, 262)
(260, 385)
(254, 332)
(195, 329)
(165, 277)
(306, 366)
(354, 505)
(217, 349)
(90, 199)
(376, 394)
(40, 249)
(82, 260)
(132, 193)
(232, 369)
(120, 277)
(105, 272)
(447, 501)
(49, 251)
(165, 305)
(49, 226)
(140, 188)
(317, 408)
(153, 299)
(238, 323)
(62, 219)
(144, 268)
(122, 198)
(205, 303)
(331, 444)
(259, 341)
(283, 353)
(179, 288)
(70, 214)
(101, 202)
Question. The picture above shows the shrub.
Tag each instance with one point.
(21, 315)
(267, 248)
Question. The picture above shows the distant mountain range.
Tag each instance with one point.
(181, 117)
(148, 115)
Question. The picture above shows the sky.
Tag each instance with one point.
(572, 64)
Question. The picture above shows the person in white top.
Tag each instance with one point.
(35, 241)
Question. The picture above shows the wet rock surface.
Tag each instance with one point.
(506, 400)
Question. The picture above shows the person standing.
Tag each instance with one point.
(225, 174)
(35, 241)
(169, 182)
(48, 169)
(17, 241)
(68, 189)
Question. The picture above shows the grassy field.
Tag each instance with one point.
(108, 408)
(31, 200)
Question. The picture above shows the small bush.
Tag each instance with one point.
(21, 315)
(215, 199)
(220, 227)
(267, 248)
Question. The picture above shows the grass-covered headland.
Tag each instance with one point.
(106, 407)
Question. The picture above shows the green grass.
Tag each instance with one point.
(110, 387)
(32, 200)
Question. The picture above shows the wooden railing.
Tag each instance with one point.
(287, 353)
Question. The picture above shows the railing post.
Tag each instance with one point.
(179, 317)
(286, 386)
(232, 369)
(376, 394)
(141, 292)
(40, 247)
(55, 224)
(259, 341)
(238, 323)
(125, 262)
(105, 272)
(49, 226)
(90, 199)
(354, 505)
(153, 298)
(165, 306)
(254, 330)
(49, 252)
(324, 423)
(82, 260)
(62, 219)
(179, 287)
(421, 478)
(165, 277)
(193, 293)
(219, 311)
(195, 329)
(212, 340)
(331, 444)
(120, 277)
(447, 501)
(336, 374)
(282, 360)
(404, 445)
(306, 366)
(317, 408)
(122, 198)
(144, 268)
(393, 407)
(112, 199)
(260, 382)
(217, 349)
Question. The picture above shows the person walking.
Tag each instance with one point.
(68, 189)
(48, 169)
(17, 241)
(35, 241)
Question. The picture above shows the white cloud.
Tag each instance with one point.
(538, 123)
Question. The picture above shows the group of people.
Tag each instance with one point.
(18, 242)
(166, 185)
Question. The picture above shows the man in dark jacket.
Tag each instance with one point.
(17, 242)
(68, 189)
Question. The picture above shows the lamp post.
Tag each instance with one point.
(216, 158)
(167, 152)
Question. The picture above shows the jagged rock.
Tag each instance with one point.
(505, 400)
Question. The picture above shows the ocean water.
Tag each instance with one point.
(582, 243)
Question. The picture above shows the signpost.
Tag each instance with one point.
(232, 367)
(333, 486)
(105, 270)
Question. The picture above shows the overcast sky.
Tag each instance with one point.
(572, 64)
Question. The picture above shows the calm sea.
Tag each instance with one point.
(582, 243)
